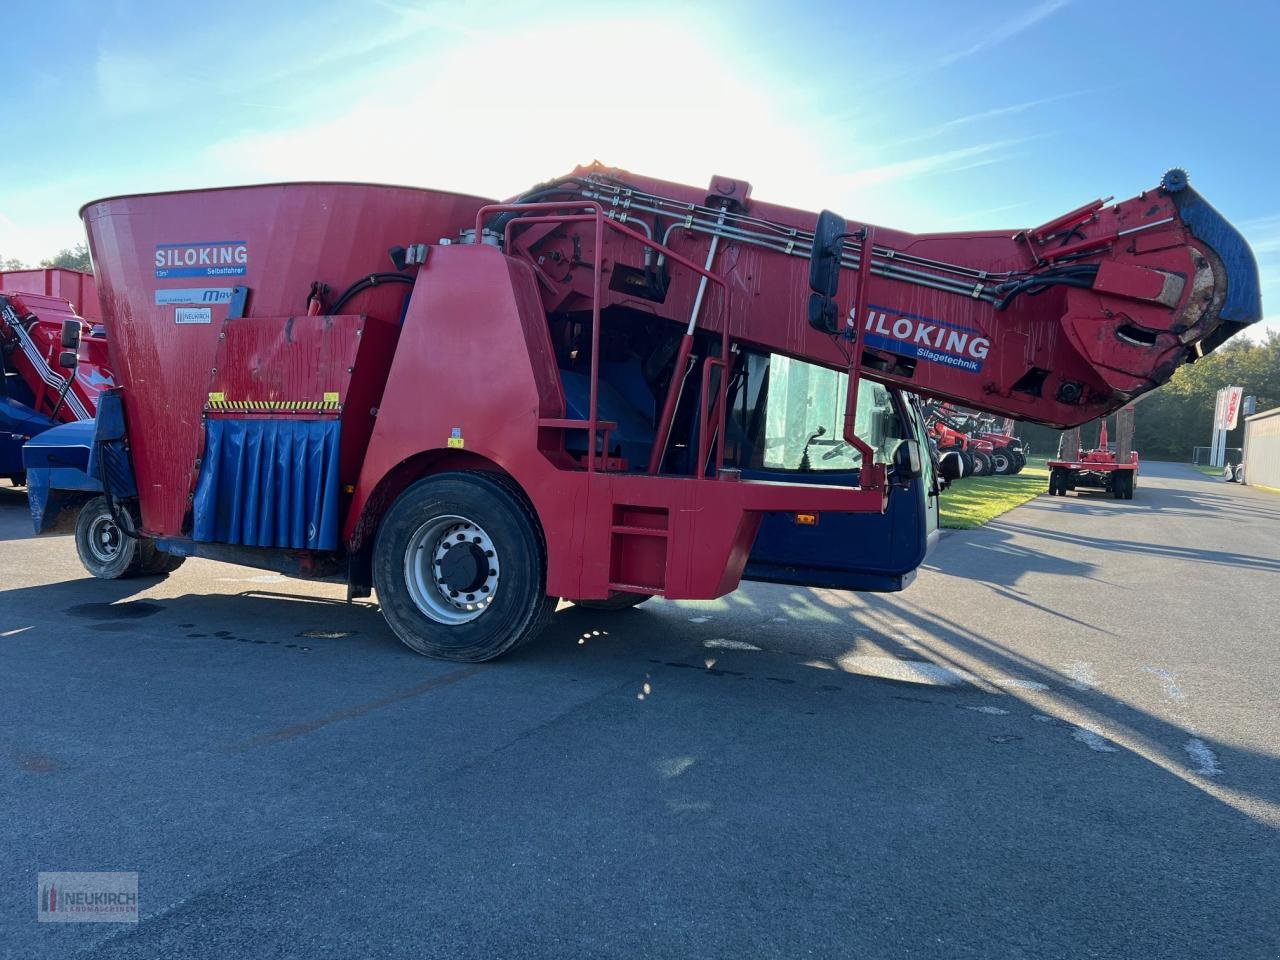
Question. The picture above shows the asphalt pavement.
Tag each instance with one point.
(1061, 741)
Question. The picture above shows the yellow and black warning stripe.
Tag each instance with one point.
(218, 401)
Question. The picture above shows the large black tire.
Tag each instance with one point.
(459, 565)
(619, 601)
(105, 550)
(1019, 461)
(1002, 462)
(967, 459)
(161, 563)
(981, 464)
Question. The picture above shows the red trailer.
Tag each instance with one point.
(74, 286)
(1102, 468)
(599, 391)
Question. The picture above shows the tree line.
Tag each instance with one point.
(1172, 420)
(73, 258)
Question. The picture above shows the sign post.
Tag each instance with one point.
(1226, 414)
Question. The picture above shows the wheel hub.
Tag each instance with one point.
(104, 540)
(451, 569)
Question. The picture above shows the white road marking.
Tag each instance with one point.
(1169, 681)
(674, 767)
(720, 643)
(1093, 739)
(926, 673)
(1206, 760)
(1083, 676)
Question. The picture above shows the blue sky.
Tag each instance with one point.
(922, 116)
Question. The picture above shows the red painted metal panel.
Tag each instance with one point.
(167, 264)
(72, 285)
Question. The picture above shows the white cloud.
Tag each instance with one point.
(1004, 31)
(486, 116)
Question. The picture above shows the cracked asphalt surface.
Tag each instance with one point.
(1061, 741)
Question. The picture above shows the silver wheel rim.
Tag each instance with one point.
(105, 539)
(451, 570)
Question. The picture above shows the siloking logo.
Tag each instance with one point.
(213, 258)
(934, 341)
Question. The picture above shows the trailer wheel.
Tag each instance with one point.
(460, 568)
(1057, 482)
(105, 550)
(618, 601)
(1002, 463)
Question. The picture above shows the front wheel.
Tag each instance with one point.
(1002, 463)
(460, 568)
(105, 550)
(981, 465)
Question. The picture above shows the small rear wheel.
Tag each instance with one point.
(617, 601)
(460, 568)
(105, 550)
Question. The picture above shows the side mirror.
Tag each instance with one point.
(906, 461)
(70, 334)
(950, 466)
(824, 271)
(67, 359)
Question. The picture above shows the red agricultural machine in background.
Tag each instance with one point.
(976, 455)
(986, 448)
(43, 314)
(1109, 467)
(606, 389)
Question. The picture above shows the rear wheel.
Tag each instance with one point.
(105, 550)
(618, 601)
(460, 568)
(161, 563)
(1057, 482)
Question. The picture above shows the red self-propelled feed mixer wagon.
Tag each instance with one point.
(606, 389)
(53, 360)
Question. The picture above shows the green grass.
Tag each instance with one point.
(1215, 472)
(971, 502)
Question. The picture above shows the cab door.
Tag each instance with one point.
(798, 412)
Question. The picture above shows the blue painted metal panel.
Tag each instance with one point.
(269, 483)
(1243, 303)
(634, 435)
(848, 551)
(18, 422)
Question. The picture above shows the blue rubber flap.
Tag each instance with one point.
(269, 483)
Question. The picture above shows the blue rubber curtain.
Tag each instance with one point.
(269, 483)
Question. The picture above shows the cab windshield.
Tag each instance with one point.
(792, 416)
